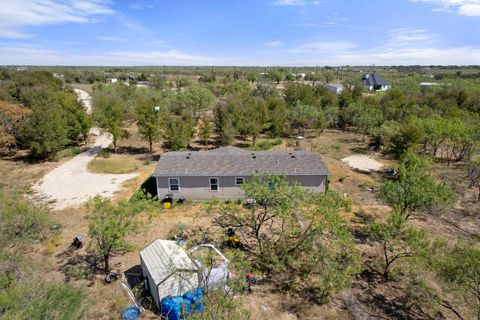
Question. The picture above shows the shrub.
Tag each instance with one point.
(20, 220)
(42, 301)
(104, 153)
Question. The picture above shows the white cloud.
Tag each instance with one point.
(274, 44)
(18, 14)
(22, 55)
(469, 10)
(462, 7)
(421, 56)
(111, 38)
(410, 37)
(317, 47)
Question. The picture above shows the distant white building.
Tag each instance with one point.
(428, 84)
(113, 80)
(299, 75)
(336, 88)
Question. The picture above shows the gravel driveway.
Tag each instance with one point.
(71, 184)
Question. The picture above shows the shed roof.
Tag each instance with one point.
(164, 257)
(374, 79)
(231, 161)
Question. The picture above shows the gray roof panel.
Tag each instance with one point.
(230, 161)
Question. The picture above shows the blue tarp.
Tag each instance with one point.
(130, 313)
(176, 308)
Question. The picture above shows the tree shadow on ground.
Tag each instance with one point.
(384, 299)
(77, 266)
(360, 150)
(131, 150)
(242, 145)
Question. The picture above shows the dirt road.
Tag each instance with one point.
(71, 184)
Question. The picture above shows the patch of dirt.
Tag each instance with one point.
(363, 163)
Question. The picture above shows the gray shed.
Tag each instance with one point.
(168, 269)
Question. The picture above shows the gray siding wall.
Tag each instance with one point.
(198, 188)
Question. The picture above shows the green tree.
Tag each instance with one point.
(147, 116)
(414, 190)
(46, 130)
(295, 236)
(252, 77)
(195, 99)
(11, 118)
(224, 129)
(110, 112)
(277, 117)
(398, 241)
(473, 175)
(206, 130)
(265, 91)
(303, 117)
(109, 224)
(249, 114)
(300, 92)
(459, 269)
(405, 139)
(178, 132)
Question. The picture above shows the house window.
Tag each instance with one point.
(174, 184)
(214, 186)
(239, 180)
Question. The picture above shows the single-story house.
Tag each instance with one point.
(336, 88)
(221, 172)
(375, 82)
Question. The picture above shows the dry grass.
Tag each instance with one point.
(114, 165)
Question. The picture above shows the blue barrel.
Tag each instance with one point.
(131, 313)
(171, 309)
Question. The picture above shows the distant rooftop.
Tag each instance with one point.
(374, 79)
(231, 161)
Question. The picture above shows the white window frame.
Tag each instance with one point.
(239, 184)
(210, 184)
(169, 184)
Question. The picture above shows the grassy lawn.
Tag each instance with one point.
(113, 165)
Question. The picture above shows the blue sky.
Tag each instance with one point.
(239, 32)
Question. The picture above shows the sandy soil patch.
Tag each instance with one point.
(85, 98)
(363, 163)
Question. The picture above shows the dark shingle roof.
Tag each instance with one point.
(231, 161)
(374, 79)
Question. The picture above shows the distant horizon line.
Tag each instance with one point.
(246, 66)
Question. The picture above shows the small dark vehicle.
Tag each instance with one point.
(77, 242)
(233, 241)
(112, 276)
(181, 200)
(168, 198)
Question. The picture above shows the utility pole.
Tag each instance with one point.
(157, 110)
